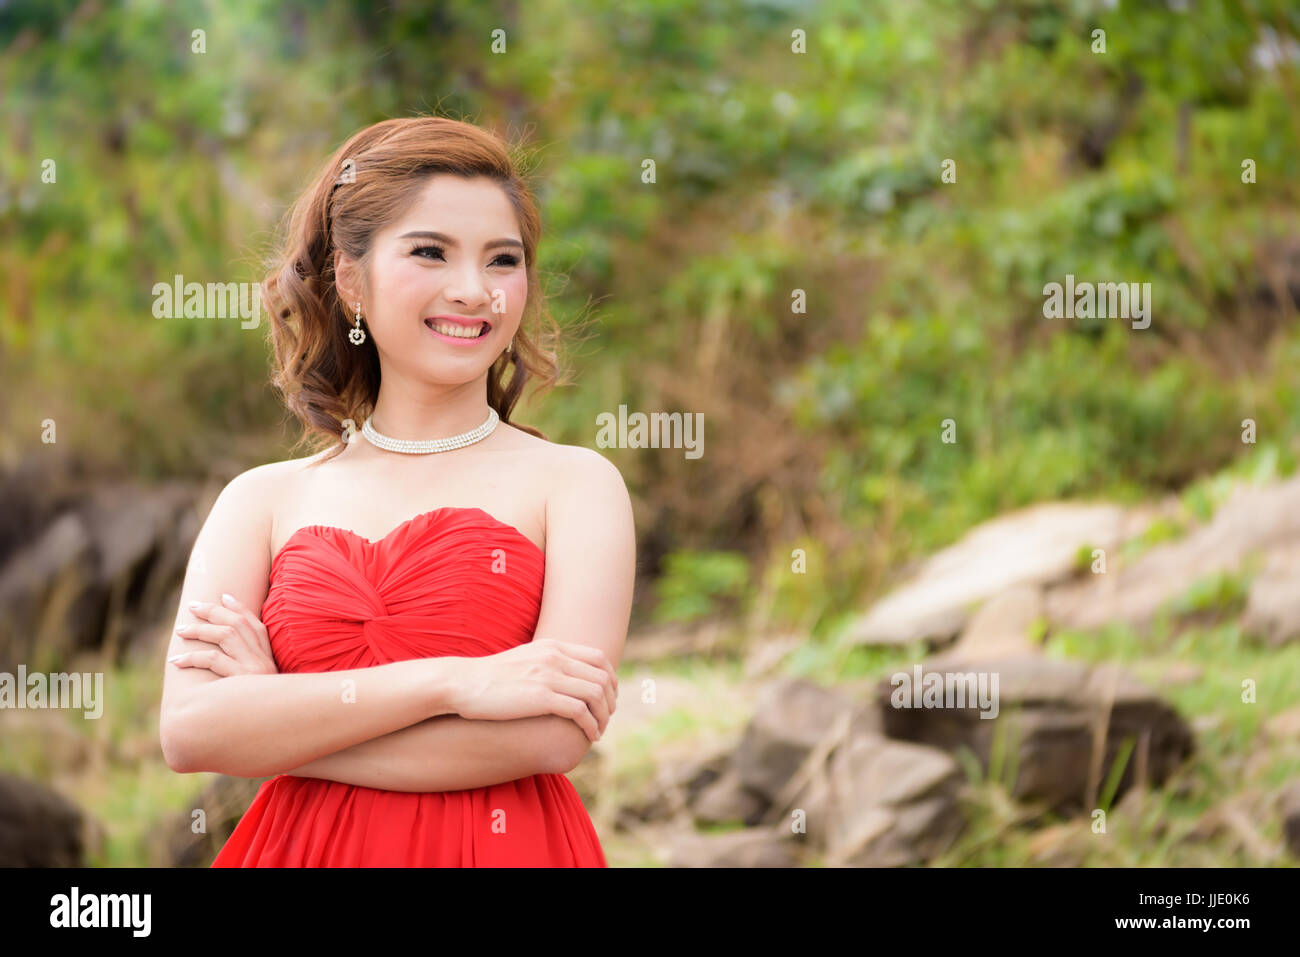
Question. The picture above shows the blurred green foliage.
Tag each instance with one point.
(776, 171)
(1221, 596)
(699, 584)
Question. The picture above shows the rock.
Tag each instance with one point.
(143, 538)
(727, 800)
(223, 802)
(39, 827)
(1002, 626)
(1289, 806)
(808, 818)
(804, 806)
(1052, 710)
(1255, 518)
(46, 590)
(1032, 546)
(792, 717)
(1273, 603)
(104, 569)
(891, 803)
(751, 847)
(675, 788)
(35, 491)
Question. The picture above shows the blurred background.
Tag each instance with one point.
(840, 263)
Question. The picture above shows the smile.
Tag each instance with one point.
(458, 332)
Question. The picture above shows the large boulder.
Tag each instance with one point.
(1003, 626)
(39, 827)
(813, 765)
(1254, 519)
(801, 803)
(727, 800)
(676, 786)
(792, 717)
(891, 803)
(749, 847)
(1062, 723)
(103, 570)
(1033, 546)
(52, 609)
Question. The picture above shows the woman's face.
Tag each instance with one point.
(454, 254)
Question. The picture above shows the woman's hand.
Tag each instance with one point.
(241, 645)
(540, 677)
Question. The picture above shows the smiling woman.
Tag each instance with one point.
(416, 646)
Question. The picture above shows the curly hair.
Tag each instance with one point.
(325, 380)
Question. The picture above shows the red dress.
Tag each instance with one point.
(454, 581)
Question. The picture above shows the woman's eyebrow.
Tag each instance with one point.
(444, 238)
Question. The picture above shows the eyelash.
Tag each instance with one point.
(510, 260)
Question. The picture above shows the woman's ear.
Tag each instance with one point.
(345, 279)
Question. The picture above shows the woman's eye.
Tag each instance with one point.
(502, 260)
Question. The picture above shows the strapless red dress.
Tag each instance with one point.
(433, 586)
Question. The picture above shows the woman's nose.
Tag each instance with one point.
(467, 285)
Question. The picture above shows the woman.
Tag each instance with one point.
(370, 622)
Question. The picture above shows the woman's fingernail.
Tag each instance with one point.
(173, 658)
(183, 629)
(195, 605)
(228, 599)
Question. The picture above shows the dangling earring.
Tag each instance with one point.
(510, 345)
(356, 335)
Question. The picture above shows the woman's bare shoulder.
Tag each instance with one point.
(564, 470)
(261, 487)
(575, 471)
(557, 460)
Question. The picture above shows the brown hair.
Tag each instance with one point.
(322, 377)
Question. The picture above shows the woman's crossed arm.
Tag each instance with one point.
(395, 727)
(590, 572)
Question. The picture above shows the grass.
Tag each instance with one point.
(111, 766)
(113, 769)
(1231, 761)
(1151, 828)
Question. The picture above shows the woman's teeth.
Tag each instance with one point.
(459, 332)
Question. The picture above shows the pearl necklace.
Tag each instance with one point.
(432, 445)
